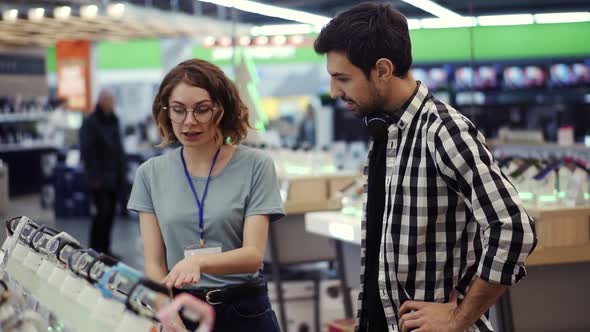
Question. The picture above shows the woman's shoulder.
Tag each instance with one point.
(160, 162)
(253, 155)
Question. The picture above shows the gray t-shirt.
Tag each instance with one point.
(246, 186)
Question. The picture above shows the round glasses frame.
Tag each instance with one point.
(202, 114)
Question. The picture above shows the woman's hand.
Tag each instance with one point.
(187, 271)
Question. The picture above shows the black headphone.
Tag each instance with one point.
(378, 124)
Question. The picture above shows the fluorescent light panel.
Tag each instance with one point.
(440, 23)
(495, 20)
(282, 29)
(433, 8)
(562, 17)
(273, 11)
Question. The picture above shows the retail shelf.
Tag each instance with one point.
(298, 207)
(26, 147)
(549, 147)
(23, 117)
(560, 255)
(75, 316)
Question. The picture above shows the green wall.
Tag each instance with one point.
(429, 45)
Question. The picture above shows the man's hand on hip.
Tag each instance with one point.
(419, 316)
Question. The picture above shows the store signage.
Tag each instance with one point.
(17, 64)
(255, 53)
(73, 73)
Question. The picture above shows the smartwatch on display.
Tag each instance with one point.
(97, 268)
(40, 237)
(118, 281)
(80, 260)
(29, 228)
(57, 243)
(19, 229)
(146, 296)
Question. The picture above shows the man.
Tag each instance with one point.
(103, 156)
(444, 230)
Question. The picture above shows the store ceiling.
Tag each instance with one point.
(161, 18)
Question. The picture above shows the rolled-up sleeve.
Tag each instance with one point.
(467, 166)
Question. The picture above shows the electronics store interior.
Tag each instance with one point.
(338, 165)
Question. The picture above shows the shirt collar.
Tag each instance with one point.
(412, 106)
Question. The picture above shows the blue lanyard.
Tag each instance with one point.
(200, 203)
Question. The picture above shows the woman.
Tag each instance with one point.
(205, 207)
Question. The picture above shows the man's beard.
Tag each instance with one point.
(374, 105)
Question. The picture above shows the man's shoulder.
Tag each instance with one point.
(446, 116)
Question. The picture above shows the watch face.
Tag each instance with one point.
(96, 271)
(66, 252)
(53, 246)
(80, 260)
(38, 240)
(27, 231)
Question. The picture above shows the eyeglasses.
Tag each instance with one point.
(201, 114)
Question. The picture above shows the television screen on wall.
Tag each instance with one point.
(482, 77)
(523, 77)
(435, 78)
(563, 74)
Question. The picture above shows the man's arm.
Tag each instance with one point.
(480, 297)
(450, 317)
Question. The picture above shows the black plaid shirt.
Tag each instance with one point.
(450, 214)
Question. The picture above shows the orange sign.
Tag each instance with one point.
(73, 73)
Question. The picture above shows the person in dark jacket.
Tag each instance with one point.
(103, 158)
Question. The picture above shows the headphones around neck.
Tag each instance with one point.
(378, 124)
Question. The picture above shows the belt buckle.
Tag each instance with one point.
(208, 297)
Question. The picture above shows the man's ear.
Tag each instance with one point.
(384, 68)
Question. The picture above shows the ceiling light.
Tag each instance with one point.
(518, 19)
(36, 14)
(433, 8)
(88, 12)
(261, 40)
(296, 40)
(225, 41)
(281, 29)
(209, 41)
(562, 17)
(244, 41)
(272, 11)
(279, 40)
(116, 10)
(62, 13)
(10, 15)
(440, 23)
(413, 24)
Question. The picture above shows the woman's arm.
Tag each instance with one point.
(154, 249)
(243, 260)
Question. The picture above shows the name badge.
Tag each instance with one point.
(210, 248)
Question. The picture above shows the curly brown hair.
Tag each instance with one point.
(233, 120)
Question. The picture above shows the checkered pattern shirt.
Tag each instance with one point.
(450, 214)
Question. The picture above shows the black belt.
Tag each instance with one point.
(229, 294)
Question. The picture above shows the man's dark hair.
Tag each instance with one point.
(366, 33)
